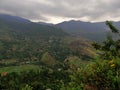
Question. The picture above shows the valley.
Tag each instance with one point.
(64, 56)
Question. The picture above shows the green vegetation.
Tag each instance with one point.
(110, 47)
(27, 87)
(46, 60)
(23, 42)
(98, 75)
(38, 80)
(18, 69)
(103, 73)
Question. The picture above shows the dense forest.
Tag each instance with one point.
(41, 57)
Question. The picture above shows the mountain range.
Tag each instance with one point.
(13, 18)
(92, 31)
(15, 27)
(19, 34)
(21, 39)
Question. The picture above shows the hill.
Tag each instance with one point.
(13, 18)
(22, 40)
(92, 31)
(24, 28)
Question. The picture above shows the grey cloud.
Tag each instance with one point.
(44, 9)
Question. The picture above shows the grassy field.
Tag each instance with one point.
(19, 68)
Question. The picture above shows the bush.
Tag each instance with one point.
(27, 87)
(98, 75)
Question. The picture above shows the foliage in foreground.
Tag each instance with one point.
(36, 80)
(98, 75)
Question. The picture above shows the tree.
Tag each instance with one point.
(110, 48)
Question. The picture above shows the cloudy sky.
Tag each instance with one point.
(55, 11)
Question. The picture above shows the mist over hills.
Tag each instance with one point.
(44, 23)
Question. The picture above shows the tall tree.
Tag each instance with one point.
(110, 48)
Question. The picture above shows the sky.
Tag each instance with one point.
(55, 11)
